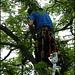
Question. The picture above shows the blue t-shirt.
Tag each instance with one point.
(41, 19)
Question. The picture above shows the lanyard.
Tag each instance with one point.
(53, 57)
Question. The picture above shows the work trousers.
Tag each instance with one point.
(43, 33)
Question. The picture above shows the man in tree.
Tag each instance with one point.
(43, 29)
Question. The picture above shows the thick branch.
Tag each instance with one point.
(25, 52)
(64, 42)
(5, 29)
(65, 27)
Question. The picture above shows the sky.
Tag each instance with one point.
(42, 2)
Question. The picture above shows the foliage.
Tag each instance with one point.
(15, 35)
(42, 68)
(9, 69)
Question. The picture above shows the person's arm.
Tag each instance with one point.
(31, 27)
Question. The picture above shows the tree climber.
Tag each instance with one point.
(43, 29)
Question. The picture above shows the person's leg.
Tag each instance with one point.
(37, 50)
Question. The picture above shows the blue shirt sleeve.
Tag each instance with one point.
(32, 16)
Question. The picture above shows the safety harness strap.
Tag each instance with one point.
(55, 45)
(50, 45)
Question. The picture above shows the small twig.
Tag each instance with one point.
(54, 4)
(72, 30)
(16, 64)
(51, 6)
(7, 54)
(7, 43)
(65, 27)
(59, 1)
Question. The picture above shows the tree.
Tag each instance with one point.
(15, 36)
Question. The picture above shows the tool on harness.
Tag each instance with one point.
(53, 57)
(42, 52)
(36, 43)
(44, 35)
(50, 44)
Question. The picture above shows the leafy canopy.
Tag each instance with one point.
(15, 34)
